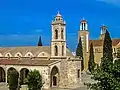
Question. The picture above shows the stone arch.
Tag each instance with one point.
(23, 75)
(54, 77)
(43, 54)
(18, 54)
(56, 50)
(2, 75)
(56, 34)
(28, 54)
(8, 55)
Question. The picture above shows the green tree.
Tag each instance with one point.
(91, 63)
(105, 74)
(107, 59)
(34, 80)
(79, 52)
(40, 41)
(13, 76)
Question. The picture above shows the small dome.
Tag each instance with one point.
(104, 26)
(83, 20)
(58, 14)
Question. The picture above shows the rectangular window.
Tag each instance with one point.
(78, 73)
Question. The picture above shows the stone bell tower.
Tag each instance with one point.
(58, 47)
(83, 33)
(58, 43)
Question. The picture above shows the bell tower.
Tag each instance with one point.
(58, 43)
(83, 33)
(103, 31)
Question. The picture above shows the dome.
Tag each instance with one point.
(58, 14)
(83, 20)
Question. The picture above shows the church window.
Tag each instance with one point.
(62, 34)
(84, 26)
(56, 50)
(28, 55)
(8, 55)
(18, 55)
(56, 34)
(78, 73)
(62, 50)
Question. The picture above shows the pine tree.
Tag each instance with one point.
(40, 41)
(79, 52)
(91, 63)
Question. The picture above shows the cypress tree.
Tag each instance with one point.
(79, 52)
(104, 74)
(91, 63)
(40, 41)
(107, 59)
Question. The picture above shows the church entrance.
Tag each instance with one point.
(2, 75)
(54, 81)
(54, 77)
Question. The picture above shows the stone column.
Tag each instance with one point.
(6, 75)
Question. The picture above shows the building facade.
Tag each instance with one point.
(56, 63)
(84, 33)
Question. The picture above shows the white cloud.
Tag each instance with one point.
(115, 2)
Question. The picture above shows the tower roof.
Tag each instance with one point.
(83, 20)
(58, 14)
(58, 19)
(103, 26)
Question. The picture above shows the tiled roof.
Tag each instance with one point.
(35, 50)
(100, 42)
(26, 62)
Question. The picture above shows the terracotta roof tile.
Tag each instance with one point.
(100, 42)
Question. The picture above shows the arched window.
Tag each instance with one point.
(62, 34)
(56, 50)
(56, 34)
(29, 54)
(18, 54)
(84, 26)
(62, 50)
(8, 55)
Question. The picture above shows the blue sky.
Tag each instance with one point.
(23, 21)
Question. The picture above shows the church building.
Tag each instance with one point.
(83, 33)
(56, 63)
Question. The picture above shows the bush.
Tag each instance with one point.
(13, 79)
(34, 80)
